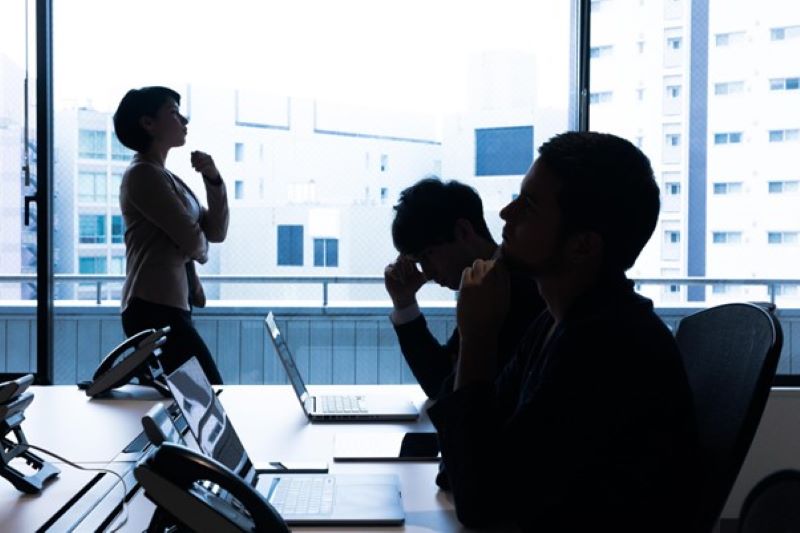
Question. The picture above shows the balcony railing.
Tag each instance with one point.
(333, 341)
(324, 282)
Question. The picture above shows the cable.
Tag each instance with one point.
(106, 470)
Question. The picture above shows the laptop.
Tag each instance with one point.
(301, 499)
(335, 408)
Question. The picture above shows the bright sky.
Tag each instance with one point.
(411, 54)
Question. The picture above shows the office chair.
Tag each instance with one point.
(730, 353)
(771, 507)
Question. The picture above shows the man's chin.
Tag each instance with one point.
(510, 259)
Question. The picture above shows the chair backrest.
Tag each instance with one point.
(730, 353)
(771, 507)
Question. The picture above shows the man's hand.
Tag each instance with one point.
(403, 279)
(483, 301)
(204, 164)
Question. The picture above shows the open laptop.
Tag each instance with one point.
(301, 499)
(335, 408)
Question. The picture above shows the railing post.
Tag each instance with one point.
(324, 294)
(99, 291)
(771, 291)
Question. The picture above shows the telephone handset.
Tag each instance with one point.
(175, 478)
(134, 357)
(12, 389)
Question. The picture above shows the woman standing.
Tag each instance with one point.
(166, 227)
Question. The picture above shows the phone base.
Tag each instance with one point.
(13, 413)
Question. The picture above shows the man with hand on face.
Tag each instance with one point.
(440, 227)
(590, 427)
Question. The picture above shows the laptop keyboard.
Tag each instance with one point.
(343, 404)
(305, 495)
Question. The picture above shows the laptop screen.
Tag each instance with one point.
(286, 357)
(207, 420)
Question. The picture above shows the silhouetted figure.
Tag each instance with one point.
(590, 427)
(439, 230)
(166, 227)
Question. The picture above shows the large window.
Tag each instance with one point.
(320, 130)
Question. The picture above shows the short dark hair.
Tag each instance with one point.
(138, 103)
(606, 185)
(427, 212)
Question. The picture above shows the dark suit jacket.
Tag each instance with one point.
(432, 362)
(593, 430)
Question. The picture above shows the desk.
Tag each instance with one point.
(89, 432)
(270, 423)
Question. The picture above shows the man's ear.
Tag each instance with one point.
(585, 247)
(463, 230)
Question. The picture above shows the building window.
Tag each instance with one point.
(784, 84)
(672, 236)
(384, 162)
(780, 187)
(596, 52)
(674, 43)
(726, 237)
(503, 151)
(118, 151)
(727, 39)
(290, 245)
(779, 136)
(600, 97)
(786, 289)
(92, 144)
(640, 94)
(673, 139)
(786, 32)
(91, 186)
(117, 265)
(117, 229)
(728, 87)
(384, 193)
(672, 188)
(640, 46)
(731, 187)
(721, 288)
(782, 237)
(92, 265)
(734, 137)
(598, 5)
(238, 152)
(116, 182)
(92, 229)
(238, 189)
(673, 91)
(326, 252)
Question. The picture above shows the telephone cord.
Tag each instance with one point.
(124, 519)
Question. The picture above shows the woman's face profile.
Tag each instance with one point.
(168, 126)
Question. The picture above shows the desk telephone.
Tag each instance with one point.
(135, 357)
(14, 450)
(194, 491)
